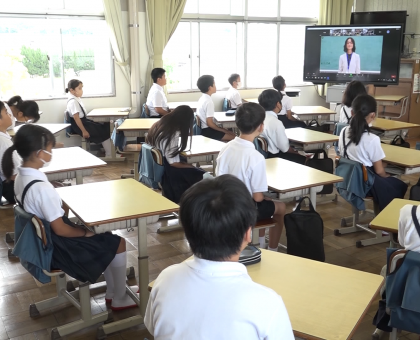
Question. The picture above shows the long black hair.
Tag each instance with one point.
(179, 121)
(30, 138)
(353, 89)
(354, 45)
(362, 106)
(29, 108)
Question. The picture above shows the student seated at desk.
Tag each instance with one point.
(232, 95)
(286, 114)
(353, 89)
(211, 296)
(166, 135)
(274, 131)
(358, 144)
(240, 158)
(80, 124)
(22, 111)
(205, 111)
(156, 99)
(77, 251)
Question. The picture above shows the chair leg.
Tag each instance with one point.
(377, 334)
(394, 334)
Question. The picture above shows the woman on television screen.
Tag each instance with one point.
(349, 61)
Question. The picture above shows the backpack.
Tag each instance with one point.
(399, 141)
(305, 233)
(324, 164)
(415, 192)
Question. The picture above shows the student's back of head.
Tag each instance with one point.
(353, 89)
(29, 108)
(279, 83)
(204, 82)
(157, 73)
(362, 106)
(248, 117)
(216, 214)
(268, 99)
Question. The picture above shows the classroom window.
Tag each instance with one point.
(262, 8)
(215, 7)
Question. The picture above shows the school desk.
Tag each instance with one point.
(54, 128)
(387, 129)
(137, 127)
(392, 100)
(226, 122)
(105, 115)
(323, 301)
(309, 139)
(113, 201)
(284, 176)
(401, 160)
(174, 105)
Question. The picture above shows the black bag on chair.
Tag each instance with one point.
(324, 164)
(415, 192)
(305, 233)
(314, 125)
(399, 141)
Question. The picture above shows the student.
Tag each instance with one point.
(205, 111)
(23, 111)
(241, 159)
(6, 189)
(286, 114)
(170, 134)
(210, 296)
(353, 89)
(358, 144)
(274, 131)
(77, 251)
(232, 95)
(156, 99)
(95, 132)
(408, 236)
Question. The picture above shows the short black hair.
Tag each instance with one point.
(268, 99)
(157, 73)
(216, 214)
(278, 83)
(354, 45)
(204, 82)
(248, 117)
(353, 89)
(233, 77)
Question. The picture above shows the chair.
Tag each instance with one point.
(145, 112)
(337, 130)
(261, 145)
(70, 133)
(133, 149)
(197, 126)
(268, 223)
(226, 105)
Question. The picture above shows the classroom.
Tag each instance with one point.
(209, 169)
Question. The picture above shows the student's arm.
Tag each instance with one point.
(279, 326)
(281, 140)
(211, 124)
(79, 123)
(258, 179)
(290, 115)
(258, 196)
(379, 169)
(161, 111)
(64, 230)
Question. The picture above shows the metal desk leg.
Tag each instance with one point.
(214, 165)
(113, 157)
(312, 195)
(136, 165)
(79, 177)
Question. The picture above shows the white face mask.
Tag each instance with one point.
(239, 85)
(45, 162)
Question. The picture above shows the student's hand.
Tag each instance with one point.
(231, 133)
(268, 198)
(89, 234)
(85, 134)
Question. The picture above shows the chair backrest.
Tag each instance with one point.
(261, 145)
(145, 112)
(337, 130)
(226, 105)
(151, 166)
(197, 125)
(67, 120)
(157, 156)
(396, 259)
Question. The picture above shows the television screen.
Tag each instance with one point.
(340, 54)
(379, 18)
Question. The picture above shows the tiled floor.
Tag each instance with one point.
(18, 289)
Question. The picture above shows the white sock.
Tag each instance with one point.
(273, 249)
(262, 241)
(109, 283)
(118, 269)
(107, 147)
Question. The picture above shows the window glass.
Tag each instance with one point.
(262, 8)
(299, 8)
(214, 7)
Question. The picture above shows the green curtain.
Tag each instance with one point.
(162, 18)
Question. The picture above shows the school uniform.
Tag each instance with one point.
(345, 114)
(367, 152)
(234, 97)
(408, 236)
(286, 104)
(278, 143)
(99, 132)
(205, 109)
(215, 298)
(240, 158)
(349, 63)
(7, 190)
(84, 258)
(156, 98)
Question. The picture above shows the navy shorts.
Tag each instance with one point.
(213, 134)
(265, 209)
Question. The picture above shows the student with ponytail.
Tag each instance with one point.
(77, 251)
(358, 144)
(23, 111)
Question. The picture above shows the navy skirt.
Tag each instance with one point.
(99, 132)
(84, 258)
(288, 124)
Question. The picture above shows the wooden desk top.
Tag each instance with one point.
(137, 124)
(312, 110)
(306, 136)
(389, 98)
(284, 176)
(389, 125)
(54, 128)
(387, 219)
(222, 118)
(316, 306)
(71, 159)
(105, 202)
(203, 146)
(108, 111)
(404, 157)
(174, 105)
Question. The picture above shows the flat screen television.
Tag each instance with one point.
(340, 54)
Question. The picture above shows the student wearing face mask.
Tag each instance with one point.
(232, 95)
(358, 144)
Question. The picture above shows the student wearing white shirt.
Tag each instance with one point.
(23, 110)
(286, 114)
(205, 111)
(349, 61)
(232, 95)
(209, 296)
(240, 158)
(156, 99)
(274, 131)
(170, 134)
(358, 144)
(408, 236)
(353, 89)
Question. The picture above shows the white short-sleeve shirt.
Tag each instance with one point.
(5, 143)
(75, 105)
(174, 143)
(201, 299)
(286, 103)
(408, 237)
(275, 133)
(367, 152)
(234, 97)
(343, 111)
(205, 109)
(10, 113)
(41, 199)
(240, 158)
(156, 98)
